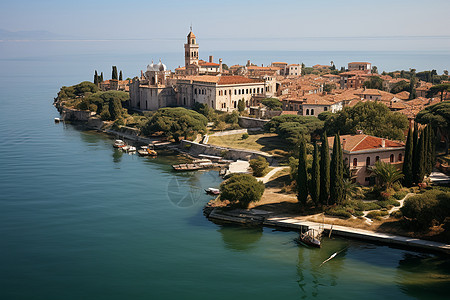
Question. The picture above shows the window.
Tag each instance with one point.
(355, 162)
(307, 112)
(312, 112)
(325, 108)
(391, 158)
(195, 91)
(368, 161)
(235, 92)
(377, 158)
(400, 157)
(192, 41)
(246, 91)
(225, 92)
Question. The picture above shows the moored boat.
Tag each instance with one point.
(309, 239)
(119, 144)
(212, 191)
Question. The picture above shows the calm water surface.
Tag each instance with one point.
(79, 220)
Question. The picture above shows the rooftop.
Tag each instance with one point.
(363, 142)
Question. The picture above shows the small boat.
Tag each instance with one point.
(212, 191)
(309, 239)
(119, 144)
(147, 150)
(57, 120)
(128, 149)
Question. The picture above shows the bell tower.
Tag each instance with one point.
(191, 50)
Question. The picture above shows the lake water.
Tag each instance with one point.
(79, 220)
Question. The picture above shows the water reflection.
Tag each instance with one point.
(117, 156)
(240, 238)
(424, 276)
(312, 275)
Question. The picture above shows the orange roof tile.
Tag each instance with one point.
(224, 80)
(363, 142)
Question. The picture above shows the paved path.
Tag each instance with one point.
(272, 172)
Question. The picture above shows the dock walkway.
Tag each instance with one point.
(265, 218)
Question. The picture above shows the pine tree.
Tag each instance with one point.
(114, 73)
(315, 176)
(96, 78)
(120, 75)
(302, 177)
(408, 161)
(336, 172)
(324, 171)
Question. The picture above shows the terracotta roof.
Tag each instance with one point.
(315, 100)
(358, 63)
(224, 80)
(362, 142)
(356, 72)
(191, 35)
(209, 64)
(279, 63)
(403, 95)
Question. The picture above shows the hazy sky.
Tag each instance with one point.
(249, 24)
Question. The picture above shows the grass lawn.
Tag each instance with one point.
(266, 142)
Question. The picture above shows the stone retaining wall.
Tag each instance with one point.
(246, 122)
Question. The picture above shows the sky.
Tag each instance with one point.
(244, 25)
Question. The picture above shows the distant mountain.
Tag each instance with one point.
(28, 34)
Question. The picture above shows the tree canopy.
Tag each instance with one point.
(439, 89)
(108, 104)
(176, 122)
(438, 115)
(241, 189)
(78, 90)
(374, 82)
(272, 103)
(370, 117)
(291, 127)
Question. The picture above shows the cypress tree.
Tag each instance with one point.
(114, 73)
(101, 77)
(336, 172)
(432, 148)
(324, 171)
(422, 158)
(96, 78)
(120, 75)
(408, 161)
(430, 157)
(315, 176)
(302, 177)
(415, 159)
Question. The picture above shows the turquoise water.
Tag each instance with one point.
(79, 220)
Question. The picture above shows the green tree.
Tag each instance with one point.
(408, 161)
(439, 88)
(272, 103)
(302, 176)
(95, 78)
(241, 189)
(205, 110)
(399, 87)
(374, 70)
(241, 105)
(114, 73)
(315, 176)
(115, 109)
(387, 174)
(329, 87)
(412, 84)
(324, 171)
(415, 161)
(421, 159)
(438, 115)
(259, 166)
(336, 172)
(176, 122)
(371, 117)
(232, 118)
(374, 82)
(120, 75)
(101, 77)
(351, 190)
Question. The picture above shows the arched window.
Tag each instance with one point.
(391, 158)
(312, 112)
(368, 161)
(195, 91)
(307, 112)
(377, 158)
(400, 157)
(355, 162)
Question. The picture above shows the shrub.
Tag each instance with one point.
(259, 166)
(338, 211)
(241, 189)
(362, 205)
(400, 195)
(376, 213)
(388, 203)
(426, 207)
(244, 136)
(397, 214)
